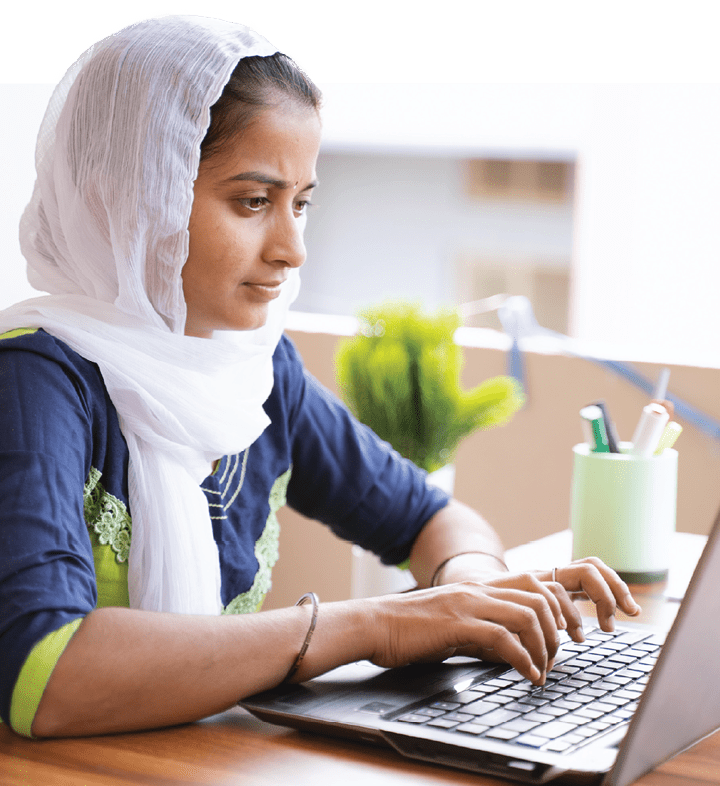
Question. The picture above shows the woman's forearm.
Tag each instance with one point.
(455, 529)
(126, 669)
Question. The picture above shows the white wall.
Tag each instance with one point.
(23, 107)
(393, 225)
(647, 246)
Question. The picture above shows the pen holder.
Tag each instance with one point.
(623, 510)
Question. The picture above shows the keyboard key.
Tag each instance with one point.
(600, 671)
(502, 734)
(617, 679)
(598, 725)
(631, 637)
(464, 717)
(623, 658)
(628, 693)
(532, 740)
(472, 728)
(498, 683)
(499, 698)
(442, 723)
(466, 696)
(587, 731)
(499, 716)
(555, 729)
(513, 676)
(413, 718)
(578, 681)
(558, 746)
(616, 700)
(520, 725)
(565, 669)
(535, 701)
(514, 693)
(581, 698)
(591, 714)
(601, 706)
(445, 705)
(430, 712)
(594, 692)
(479, 707)
(515, 706)
(554, 710)
(565, 704)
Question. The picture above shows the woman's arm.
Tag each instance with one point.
(126, 669)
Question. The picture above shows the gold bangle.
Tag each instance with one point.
(313, 598)
(440, 567)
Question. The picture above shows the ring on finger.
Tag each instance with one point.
(554, 575)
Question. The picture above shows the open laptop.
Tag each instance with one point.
(610, 711)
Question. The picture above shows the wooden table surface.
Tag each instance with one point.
(236, 748)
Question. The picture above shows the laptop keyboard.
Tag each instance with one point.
(592, 688)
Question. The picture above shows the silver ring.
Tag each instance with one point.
(554, 574)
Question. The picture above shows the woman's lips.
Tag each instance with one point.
(265, 289)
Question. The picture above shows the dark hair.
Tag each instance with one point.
(255, 84)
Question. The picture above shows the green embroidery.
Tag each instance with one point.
(266, 553)
(108, 516)
(18, 332)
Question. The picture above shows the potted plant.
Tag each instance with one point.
(400, 375)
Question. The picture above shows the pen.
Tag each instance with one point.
(647, 435)
(612, 437)
(594, 428)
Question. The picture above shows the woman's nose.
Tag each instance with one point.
(286, 244)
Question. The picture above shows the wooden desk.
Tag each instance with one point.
(235, 748)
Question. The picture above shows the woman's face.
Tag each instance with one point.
(247, 220)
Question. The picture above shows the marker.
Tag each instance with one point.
(667, 440)
(612, 435)
(661, 385)
(647, 435)
(594, 428)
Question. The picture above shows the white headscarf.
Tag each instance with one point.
(106, 235)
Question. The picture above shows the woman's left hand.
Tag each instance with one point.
(589, 578)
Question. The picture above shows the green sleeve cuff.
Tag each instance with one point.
(35, 674)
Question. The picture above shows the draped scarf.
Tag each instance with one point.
(106, 235)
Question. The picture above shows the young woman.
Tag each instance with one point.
(153, 418)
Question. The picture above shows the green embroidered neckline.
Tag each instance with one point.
(110, 520)
(266, 553)
(107, 515)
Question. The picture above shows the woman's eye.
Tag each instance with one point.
(302, 206)
(254, 203)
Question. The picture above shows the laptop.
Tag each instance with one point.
(612, 709)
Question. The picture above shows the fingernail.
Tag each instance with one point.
(535, 674)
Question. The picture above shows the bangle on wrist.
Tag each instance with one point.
(313, 598)
(441, 566)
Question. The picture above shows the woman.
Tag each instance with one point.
(154, 419)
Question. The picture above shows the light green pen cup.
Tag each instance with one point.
(623, 510)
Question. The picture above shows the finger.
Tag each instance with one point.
(602, 586)
(528, 617)
(529, 582)
(498, 643)
(573, 618)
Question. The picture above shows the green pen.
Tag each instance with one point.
(594, 429)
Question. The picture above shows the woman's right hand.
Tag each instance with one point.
(471, 618)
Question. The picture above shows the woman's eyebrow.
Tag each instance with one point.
(259, 177)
